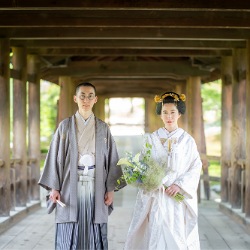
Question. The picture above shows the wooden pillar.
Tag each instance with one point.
(194, 107)
(19, 124)
(33, 69)
(196, 125)
(183, 121)
(146, 118)
(152, 120)
(189, 105)
(247, 193)
(99, 108)
(4, 128)
(238, 124)
(226, 124)
(66, 103)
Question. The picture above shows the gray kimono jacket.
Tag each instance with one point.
(60, 170)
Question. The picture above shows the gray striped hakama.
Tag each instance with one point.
(84, 234)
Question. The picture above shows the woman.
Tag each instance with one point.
(159, 221)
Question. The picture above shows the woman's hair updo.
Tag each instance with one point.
(171, 97)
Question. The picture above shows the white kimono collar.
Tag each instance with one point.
(163, 133)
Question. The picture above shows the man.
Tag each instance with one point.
(81, 172)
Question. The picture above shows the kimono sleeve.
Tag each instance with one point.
(114, 171)
(52, 171)
(189, 180)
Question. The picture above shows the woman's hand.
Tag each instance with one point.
(172, 190)
(54, 195)
(108, 198)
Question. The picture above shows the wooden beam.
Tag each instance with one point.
(102, 83)
(128, 32)
(125, 18)
(170, 4)
(131, 44)
(49, 52)
(181, 68)
(128, 86)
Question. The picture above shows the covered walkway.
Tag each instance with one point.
(217, 231)
(127, 49)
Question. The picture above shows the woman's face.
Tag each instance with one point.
(170, 116)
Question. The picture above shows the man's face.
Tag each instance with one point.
(85, 98)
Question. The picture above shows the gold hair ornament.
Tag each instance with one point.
(182, 97)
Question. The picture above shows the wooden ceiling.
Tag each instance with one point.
(127, 45)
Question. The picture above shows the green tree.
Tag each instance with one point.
(211, 102)
(49, 97)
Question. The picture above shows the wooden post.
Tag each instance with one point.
(196, 125)
(33, 70)
(5, 203)
(226, 124)
(152, 120)
(189, 105)
(146, 118)
(66, 102)
(183, 121)
(99, 108)
(238, 123)
(247, 192)
(19, 126)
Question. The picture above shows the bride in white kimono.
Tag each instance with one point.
(160, 222)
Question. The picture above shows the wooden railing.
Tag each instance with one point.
(1, 162)
(15, 181)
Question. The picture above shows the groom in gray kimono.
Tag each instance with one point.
(81, 172)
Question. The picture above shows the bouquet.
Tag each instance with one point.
(143, 172)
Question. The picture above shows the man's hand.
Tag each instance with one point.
(54, 195)
(108, 198)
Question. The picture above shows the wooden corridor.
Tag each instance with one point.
(126, 49)
(216, 230)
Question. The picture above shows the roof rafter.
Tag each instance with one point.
(130, 43)
(128, 33)
(125, 18)
(170, 4)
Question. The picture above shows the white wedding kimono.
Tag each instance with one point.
(159, 222)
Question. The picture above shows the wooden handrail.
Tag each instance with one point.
(19, 161)
(211, 178)
(43, 156)
(242, 163)
(31, 160)
(213, 158)
(1, 162)
(210, 157)
(15, 161)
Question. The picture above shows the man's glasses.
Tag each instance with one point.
(89, 97)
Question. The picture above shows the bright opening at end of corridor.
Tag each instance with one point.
(125, 116)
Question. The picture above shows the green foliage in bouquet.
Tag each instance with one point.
(144, 172)
(152, 178)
